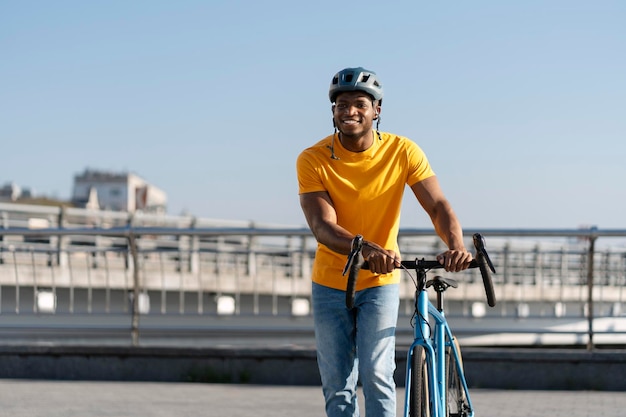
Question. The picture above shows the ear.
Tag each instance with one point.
(377, 110)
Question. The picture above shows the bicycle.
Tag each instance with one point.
(435, 380)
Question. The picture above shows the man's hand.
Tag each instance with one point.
(381, 260)
(455, 260)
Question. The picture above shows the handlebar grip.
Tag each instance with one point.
(486, 268)
(352, 276)
(485, 272)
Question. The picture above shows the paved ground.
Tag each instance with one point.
(28, 398)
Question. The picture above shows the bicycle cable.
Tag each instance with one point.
(414, 279)
(416, 314)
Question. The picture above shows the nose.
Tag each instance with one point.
(349, 109)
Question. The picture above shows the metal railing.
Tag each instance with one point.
(134, 266)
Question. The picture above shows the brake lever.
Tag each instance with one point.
(357, 245)
(479, 244)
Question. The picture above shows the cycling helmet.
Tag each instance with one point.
(355, 79)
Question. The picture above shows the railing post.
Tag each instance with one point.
(293, 268)
(590, 268)
(194, 250)
(4, 224)
(251, 264)
(129, 225)
(62, 242)
(506, 274)
(304, 259)
(538, 272)
(132, 244)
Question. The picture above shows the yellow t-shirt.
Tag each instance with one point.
(366, 189)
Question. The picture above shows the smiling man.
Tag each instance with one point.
(351, 183)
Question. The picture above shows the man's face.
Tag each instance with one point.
(354, 113)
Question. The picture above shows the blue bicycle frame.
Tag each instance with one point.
(435, 345)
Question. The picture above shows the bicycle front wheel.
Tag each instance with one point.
(456, 400)
(419, 404)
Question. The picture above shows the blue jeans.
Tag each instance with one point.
(357, 344)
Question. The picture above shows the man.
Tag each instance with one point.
(350, 183)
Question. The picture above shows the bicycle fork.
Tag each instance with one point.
(434, 343)
(422, 337)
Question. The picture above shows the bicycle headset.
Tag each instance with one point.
(356, 79)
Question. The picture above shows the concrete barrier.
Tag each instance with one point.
(544, 369)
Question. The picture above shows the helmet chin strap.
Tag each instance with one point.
(332, 143)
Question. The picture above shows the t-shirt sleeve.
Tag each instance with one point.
(419, 167)
(309, 179)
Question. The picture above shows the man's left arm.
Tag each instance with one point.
(431, 197)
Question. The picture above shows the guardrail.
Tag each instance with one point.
(236, 269)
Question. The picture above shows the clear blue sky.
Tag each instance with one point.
(519, 105)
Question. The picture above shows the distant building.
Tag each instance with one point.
(10, 192)
(117, 192)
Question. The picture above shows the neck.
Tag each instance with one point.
(358, 143)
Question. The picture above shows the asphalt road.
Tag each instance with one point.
(34, 398)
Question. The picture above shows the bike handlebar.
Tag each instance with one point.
(480, 261)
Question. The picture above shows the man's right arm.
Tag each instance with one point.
(321, 217)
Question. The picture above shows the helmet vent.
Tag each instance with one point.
(355, 79)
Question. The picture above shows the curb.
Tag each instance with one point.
(502, 368)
